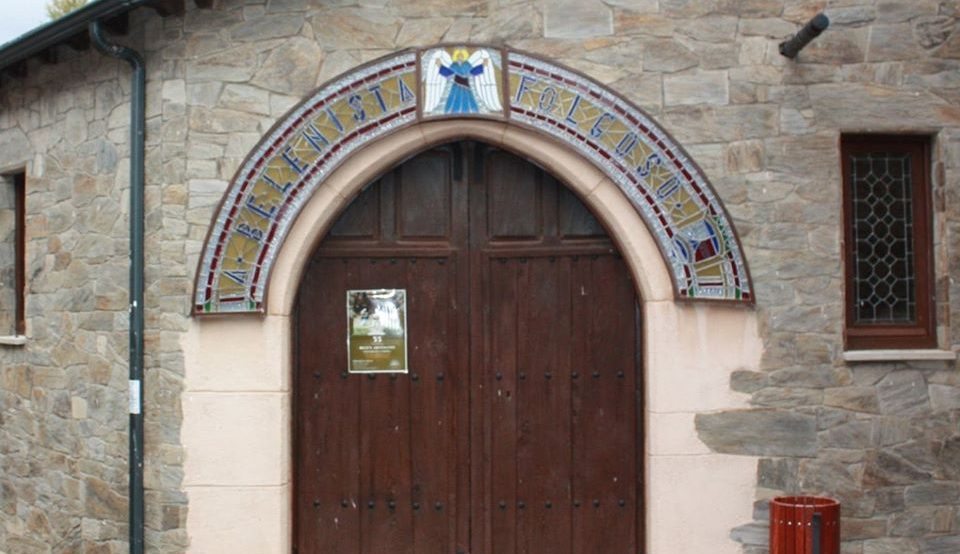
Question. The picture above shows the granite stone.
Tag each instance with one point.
(758, 432)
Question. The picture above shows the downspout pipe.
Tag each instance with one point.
(137, 125)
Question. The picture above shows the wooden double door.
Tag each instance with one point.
(518, 428)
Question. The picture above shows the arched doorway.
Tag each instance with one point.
(519, 426)
(677, 241)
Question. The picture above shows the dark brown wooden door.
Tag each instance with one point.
(519, 426)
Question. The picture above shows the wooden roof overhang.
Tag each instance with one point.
(71, 30)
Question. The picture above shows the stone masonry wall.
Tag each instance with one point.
(63, 395)
(882, 437)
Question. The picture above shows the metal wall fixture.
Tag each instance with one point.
(817, 24)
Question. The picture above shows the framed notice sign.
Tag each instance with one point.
(377, 331)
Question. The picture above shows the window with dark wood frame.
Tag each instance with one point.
(12, 253)
(888, 242)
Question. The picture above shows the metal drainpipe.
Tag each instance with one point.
(137, 123)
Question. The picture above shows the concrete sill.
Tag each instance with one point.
(13, 340)
(906, 355)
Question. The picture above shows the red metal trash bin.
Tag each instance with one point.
(804, 525)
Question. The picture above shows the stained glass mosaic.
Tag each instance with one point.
(460, 80)
(883, 265)
(667, 189)
(286, 167)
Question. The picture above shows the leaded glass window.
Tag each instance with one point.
(887, 246)
(882, 238)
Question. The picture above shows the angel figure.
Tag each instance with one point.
(468, 82)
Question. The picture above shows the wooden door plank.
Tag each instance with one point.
(582, 304)
(385, 419)
(431, 405)
(604, 456)
(424, 197)
(479, 394)
(614, 418)
(502, 379)
(514, 198)
(361, 219)
(544, 400)
(327, 461)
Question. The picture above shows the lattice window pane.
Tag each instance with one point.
(884, 279)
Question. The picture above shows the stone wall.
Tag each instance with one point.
(883, 437)
(63, 395)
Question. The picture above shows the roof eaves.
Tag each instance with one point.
(56, 32)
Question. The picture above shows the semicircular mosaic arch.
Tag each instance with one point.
(673, 197)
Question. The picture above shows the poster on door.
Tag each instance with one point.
(377, 331)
